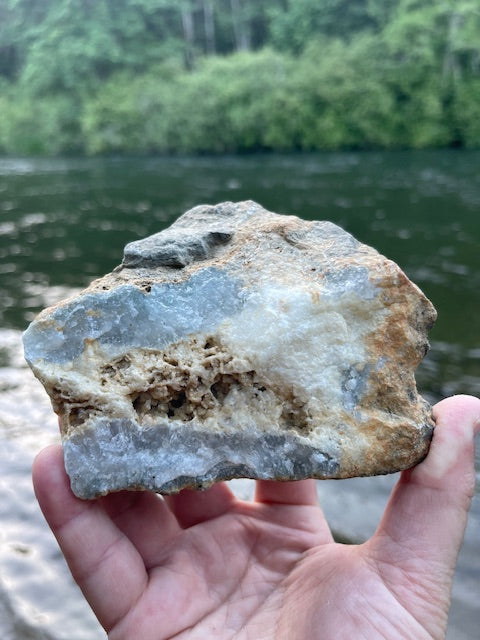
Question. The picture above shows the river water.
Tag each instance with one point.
(65, 221)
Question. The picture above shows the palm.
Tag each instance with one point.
(227, 573)
(247, 574)
(205, 565)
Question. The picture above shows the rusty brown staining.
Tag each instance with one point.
(401, 342)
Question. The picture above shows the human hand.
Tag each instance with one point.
(204, 565)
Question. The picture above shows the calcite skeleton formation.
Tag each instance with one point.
(237, 343)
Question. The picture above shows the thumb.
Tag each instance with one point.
(424, 522)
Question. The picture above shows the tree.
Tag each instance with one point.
(240, 26)
(186, 12)
(299, 21)
(347, 73)
(209, 26)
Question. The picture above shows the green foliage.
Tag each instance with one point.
(345, 103)
(81, 42)
(301, 20)
(44, 126)
(143, 76)
(226, 105)
(466, 113)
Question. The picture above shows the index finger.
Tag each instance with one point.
(104, 563)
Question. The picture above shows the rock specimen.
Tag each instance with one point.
(237, 343)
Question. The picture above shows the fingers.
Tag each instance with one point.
(192, 507)
(293, 504)
(427, 512)
(104, 563)
(301, 492)
(146, 520)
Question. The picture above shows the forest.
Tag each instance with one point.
(226, 76)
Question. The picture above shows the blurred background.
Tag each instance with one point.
(143, 76)
(116, 116)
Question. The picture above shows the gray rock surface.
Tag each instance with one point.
(237, 343)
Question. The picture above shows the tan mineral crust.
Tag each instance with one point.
(237, 343)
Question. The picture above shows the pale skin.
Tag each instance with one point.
(204, 565)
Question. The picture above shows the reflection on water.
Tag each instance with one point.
(64, 222)
(38, 599)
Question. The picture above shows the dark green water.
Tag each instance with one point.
(65, 222)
